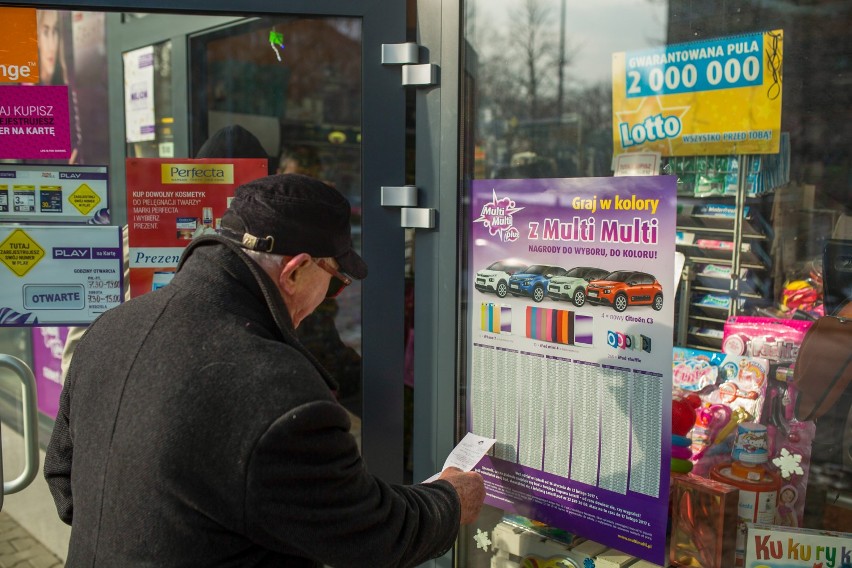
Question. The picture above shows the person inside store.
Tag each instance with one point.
(53, 70)
(194, 428)
(299, 159)
(318, 332)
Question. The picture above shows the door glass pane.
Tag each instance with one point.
(295, 83)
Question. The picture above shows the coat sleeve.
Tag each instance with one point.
(57, 460)
(308, 493)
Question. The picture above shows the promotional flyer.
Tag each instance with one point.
(570, 359)
(717, 96)
(139, 95)
(170, 201)
(34, 122)
(19, 56)
(48, 194)
(58, 275)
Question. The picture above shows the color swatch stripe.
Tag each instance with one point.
(558, 326)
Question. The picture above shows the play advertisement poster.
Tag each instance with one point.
(170, 201)
(34, 122)
(48, 194)
(713, 96)
(571, 304)
(58, 275)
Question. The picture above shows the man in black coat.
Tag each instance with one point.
(194, 429)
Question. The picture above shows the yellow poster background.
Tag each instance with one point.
(728, 121)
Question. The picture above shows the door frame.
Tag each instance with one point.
(437, 300)
(383, 164)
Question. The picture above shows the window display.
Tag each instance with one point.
(717, 97)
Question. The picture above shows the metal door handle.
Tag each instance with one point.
(30, 432)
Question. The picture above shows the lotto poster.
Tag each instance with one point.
(170, 201)
(716, 96)
(572, 299)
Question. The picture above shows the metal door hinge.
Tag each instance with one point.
(417, 218)
(407, 55)
(405, 197)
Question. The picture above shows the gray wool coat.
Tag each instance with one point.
(195, 430)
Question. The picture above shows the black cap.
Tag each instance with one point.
(289, 214)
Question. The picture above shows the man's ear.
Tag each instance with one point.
(288, 278)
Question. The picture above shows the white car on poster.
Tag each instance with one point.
(495, 278)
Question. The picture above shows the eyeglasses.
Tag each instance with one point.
(338, 281)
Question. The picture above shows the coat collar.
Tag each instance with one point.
(232, 279)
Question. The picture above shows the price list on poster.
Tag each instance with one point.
(532, 403)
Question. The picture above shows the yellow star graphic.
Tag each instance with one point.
(650, 107)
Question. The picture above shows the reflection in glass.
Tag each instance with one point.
(295, 83)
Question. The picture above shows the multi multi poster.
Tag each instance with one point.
(570, 354)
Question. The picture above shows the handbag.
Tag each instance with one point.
(823, 378)
(823, 371)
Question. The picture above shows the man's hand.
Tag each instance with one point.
(470, 489)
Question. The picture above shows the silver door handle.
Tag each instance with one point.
(28, 400)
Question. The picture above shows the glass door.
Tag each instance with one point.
(295, 83)
(306, 79)
(313, 90)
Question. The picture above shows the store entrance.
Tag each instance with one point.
(309, 84)
(285, 88)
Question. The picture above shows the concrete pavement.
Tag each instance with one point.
(18, 548)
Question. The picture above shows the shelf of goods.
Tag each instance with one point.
(707, 236)
(725, 238)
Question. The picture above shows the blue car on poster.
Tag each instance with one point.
(534, 280)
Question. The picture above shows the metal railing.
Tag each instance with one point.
(30, 432)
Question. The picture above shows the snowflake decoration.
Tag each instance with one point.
(588, 563)
(788, 464)
(482, 540)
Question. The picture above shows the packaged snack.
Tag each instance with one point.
(774, 339)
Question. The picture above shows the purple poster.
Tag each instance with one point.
(48, 343)
(570, 359)
(34, 122)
